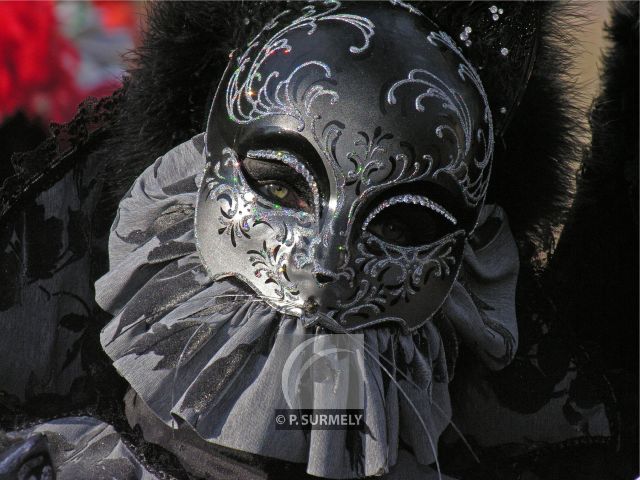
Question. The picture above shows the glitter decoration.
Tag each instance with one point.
(293, 162)
(286, 248)
(407, 6)
(495, 12)
(270, 98)
(464, 35)
(368, 157)
(409, 200)
(435, 87)
(412, 267)
(241, 210)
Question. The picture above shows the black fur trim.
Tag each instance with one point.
(534, 166)
(171, 81)
(595, 268)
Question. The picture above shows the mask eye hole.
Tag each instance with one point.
(409, 224)
(277, 182)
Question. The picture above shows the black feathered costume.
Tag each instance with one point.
(577, 302)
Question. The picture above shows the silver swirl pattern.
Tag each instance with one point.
(250, 97)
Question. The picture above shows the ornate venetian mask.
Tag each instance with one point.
(348, 156)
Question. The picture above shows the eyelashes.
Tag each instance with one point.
(410, 199)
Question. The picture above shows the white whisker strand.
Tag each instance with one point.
(438, 407)
(177, 369)
(432, 401)
(411, 404)
(141, 319)
(188, 343)
(125, 330)
(258, 298)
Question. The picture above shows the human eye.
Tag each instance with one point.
(283, 195)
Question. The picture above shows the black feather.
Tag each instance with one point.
(595, 267)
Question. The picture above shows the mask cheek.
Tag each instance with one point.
(402, 284)
(392, 277)
(237, 237)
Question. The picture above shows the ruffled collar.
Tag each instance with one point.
(210, 355)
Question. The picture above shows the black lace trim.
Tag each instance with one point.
(37, 169)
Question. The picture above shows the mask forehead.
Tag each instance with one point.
(385, 101)
(370, 69)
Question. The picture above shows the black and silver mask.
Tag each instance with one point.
(348, 156)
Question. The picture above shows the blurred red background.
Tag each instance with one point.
(54, 54)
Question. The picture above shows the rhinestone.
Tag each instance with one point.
(504, 51)
(500, 11)
(468, 43)
(493, 9)
(410, 199)
(495, 17)
(503, 109)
